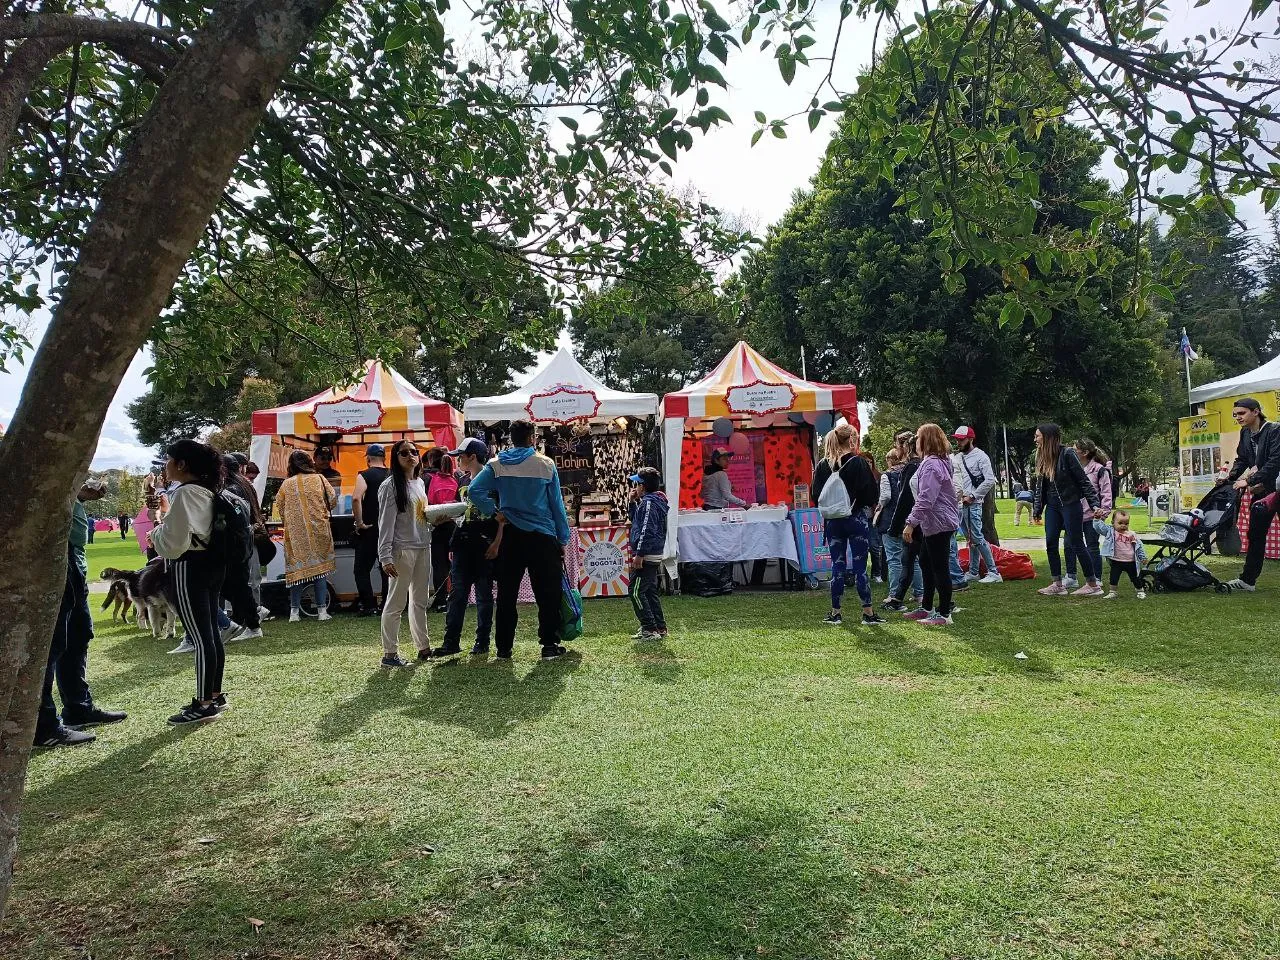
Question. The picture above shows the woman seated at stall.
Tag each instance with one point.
(717, 491)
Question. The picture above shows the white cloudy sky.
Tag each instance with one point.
(755, 181)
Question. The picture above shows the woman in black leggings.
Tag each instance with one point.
(184, 539)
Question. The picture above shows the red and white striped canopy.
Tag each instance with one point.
(746, 383)
(389, 402)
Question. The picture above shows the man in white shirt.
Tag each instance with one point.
(975, 478)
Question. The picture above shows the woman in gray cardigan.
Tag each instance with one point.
(717, 491)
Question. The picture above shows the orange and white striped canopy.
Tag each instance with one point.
(381, 401)
(745, 382)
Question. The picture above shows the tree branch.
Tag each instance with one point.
(71, 29)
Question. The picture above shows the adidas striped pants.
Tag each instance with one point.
(197, 581)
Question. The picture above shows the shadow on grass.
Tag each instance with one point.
(657, 662)
(383, 690)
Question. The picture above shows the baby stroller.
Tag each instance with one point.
(1175, 565)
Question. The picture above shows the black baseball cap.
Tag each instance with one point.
(472, 446)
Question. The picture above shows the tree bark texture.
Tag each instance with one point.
(17, 75)
(149, 218)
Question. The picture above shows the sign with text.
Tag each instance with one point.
(760, 398)
(604, 562)
(564, 404)
(347, 415)
(811, 541)
(1199, 456)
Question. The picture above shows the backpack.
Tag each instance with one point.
(885, 519)
(231, 536)
(833, 502)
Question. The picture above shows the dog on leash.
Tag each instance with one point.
(152, 593)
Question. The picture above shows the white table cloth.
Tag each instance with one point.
(707, 536)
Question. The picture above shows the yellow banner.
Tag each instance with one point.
(1203, 430)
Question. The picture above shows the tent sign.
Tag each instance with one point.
(760, 398)
(347, 415)
(563, 404)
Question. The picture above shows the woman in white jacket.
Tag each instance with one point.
(183, 539)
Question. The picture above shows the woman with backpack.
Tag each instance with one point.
(891, 486)
(305, 501)
(186, 539)
(846, 525)
(879, 569)
(1061, 486)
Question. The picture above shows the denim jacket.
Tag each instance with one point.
(1107, 547)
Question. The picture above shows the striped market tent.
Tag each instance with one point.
(379, 407)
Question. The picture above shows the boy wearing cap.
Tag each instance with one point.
(475, 544)
(648, 540)
(975, 479)
(364, 506)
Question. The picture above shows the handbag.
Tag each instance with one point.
(570, 610)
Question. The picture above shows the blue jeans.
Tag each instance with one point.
(470, 569)
(322, 594)
(979, 549)
(1091, 544)
(1068, 517)
(849, 535)
(894, 551)
(953, 562)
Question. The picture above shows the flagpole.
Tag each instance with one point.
(1186, 363)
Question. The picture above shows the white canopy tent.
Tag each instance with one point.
(561, 391)
(1265, 377)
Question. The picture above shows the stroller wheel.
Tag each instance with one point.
(1157, 585)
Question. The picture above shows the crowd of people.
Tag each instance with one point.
(497, 520)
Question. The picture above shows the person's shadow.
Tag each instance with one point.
(487, 698)
(657, 662)
(384, 690)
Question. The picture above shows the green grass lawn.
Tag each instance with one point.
(108, 550)
(1138, 519)
(758, 786)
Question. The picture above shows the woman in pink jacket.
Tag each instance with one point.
(1094, 462)
(932, 522)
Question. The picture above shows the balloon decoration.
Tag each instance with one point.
(824, 423)
(739, 445)
(722, 428)
(796, 418)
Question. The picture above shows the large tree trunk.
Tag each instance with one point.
(148, 220)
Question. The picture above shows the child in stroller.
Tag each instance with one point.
(1175, 565)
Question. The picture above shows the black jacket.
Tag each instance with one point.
(906, 499)
(857, 477)
(1261, 450)
(1072, 483)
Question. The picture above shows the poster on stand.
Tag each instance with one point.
(1199, 456)
(604, 562)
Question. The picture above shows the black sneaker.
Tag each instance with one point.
(832, 620)
(960, 587)
(872, 620)
(195, 713)
(370, 612)
(395, 661)
(480, 650)
(893, 604)
(220, 702)
(502, 655)
(445, 651)
(64, 737)
(553, 650)
(94, 717)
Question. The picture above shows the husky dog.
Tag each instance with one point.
(152, 593)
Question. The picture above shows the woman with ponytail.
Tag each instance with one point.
(404, 551)
(1063, 490)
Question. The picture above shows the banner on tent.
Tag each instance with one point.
(1199, 456)
(347, 415)
(759, 397)
(563, 404)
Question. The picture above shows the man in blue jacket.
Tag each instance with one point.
(533, 539)
(648, 542)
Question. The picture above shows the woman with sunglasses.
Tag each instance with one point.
(404, 551)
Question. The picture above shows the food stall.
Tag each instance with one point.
(1207, 441)
(379, 407)
(592, 433)
(769, 419)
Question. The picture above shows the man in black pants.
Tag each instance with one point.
(364, 504)
(533, 539)
(69, 652)
(1256, 468)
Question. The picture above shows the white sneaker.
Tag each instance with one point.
(250, 634)
(1239, 584)
(1141, 594)
(1112, 595)
(1070, 583)
(295, 616)
(971, 576)
(324, 614)
(186, 646)
(264, 614)
(992, 577)
(232, 632)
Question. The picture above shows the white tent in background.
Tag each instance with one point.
(1266, 377)
(561, 391)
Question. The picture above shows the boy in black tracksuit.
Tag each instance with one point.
(648, 541)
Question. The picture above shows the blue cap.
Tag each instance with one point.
(472, 446)
(635, 478)
(375, 450)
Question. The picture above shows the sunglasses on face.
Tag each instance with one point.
(409, 453)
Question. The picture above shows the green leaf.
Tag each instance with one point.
(755, 137)
(667, 141)
(787, 67)
(666, 116)
(779, 130)
(760, 117)
(713, 20)
(1012, 313)
(569, 122)
(1161, 291)
(815, 118)
(399, 36)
